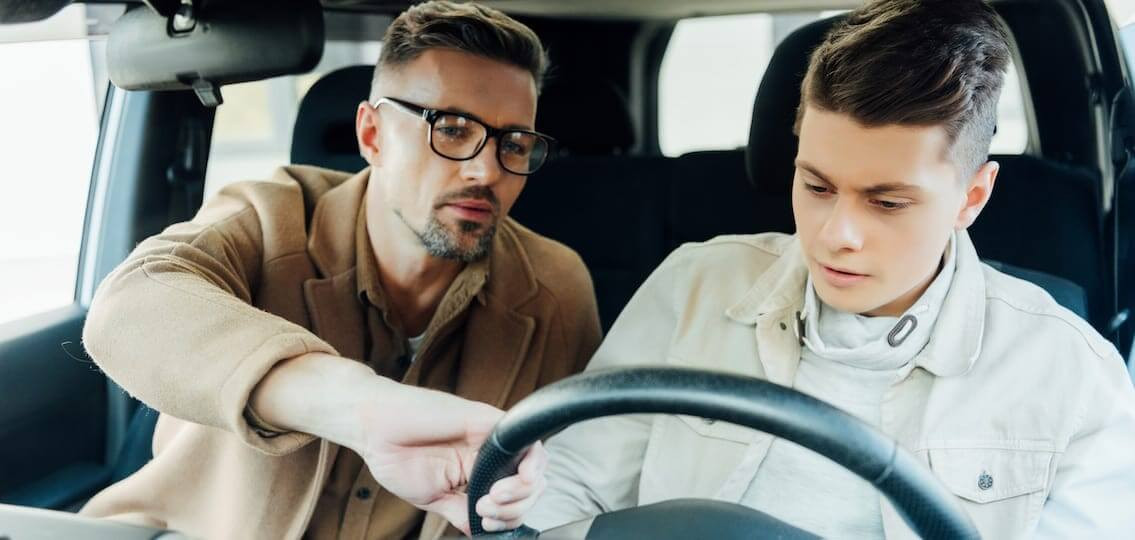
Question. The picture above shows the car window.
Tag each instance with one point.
(705, 96)
(252, 132)
(51, 97)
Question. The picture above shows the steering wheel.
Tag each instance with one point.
(779, 411)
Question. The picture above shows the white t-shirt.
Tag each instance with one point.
(416, 346)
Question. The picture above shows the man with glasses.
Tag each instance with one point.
(302, 335)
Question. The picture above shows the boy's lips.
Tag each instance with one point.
(841, 277)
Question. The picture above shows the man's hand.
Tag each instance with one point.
(419, 444)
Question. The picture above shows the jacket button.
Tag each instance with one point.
(783, 326)
(363, 493)
(985, 482)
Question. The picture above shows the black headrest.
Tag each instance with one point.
(771, 152)
(324, 134)
(587, 117)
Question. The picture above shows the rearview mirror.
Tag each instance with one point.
(205, 45)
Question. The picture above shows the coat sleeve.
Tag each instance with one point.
(174, 324)
(1094, 486)
(594, 466)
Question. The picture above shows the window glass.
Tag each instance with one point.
(51, 96)
(711, 69)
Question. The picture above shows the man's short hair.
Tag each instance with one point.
(917, 63)
(470, 28)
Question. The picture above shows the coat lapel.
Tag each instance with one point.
(497, 335)
(332, 300)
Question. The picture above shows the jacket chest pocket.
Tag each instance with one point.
(1003, 490)
(690, 456)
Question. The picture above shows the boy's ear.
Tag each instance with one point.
(978, 189)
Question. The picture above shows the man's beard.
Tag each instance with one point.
(445, 243)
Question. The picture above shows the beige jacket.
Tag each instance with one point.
(1010, 384)
(197, 315)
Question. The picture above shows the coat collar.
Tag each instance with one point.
(957, 338)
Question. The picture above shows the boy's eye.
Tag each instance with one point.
(890, 205)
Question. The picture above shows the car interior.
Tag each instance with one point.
(1062, 214)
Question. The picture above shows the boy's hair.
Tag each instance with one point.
(919, 63)
(471, 28)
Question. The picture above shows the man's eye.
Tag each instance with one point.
(516, 148)
(452, 132)
(815, 189)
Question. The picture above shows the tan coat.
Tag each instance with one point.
(197, 315)
(1011, 385)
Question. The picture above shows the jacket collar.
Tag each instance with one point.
(957, 337)
(781, 286)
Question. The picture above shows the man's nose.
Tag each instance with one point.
(484, 168)
(842, 231)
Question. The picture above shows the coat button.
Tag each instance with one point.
(363, 493)
(783, 326)
(985, 482)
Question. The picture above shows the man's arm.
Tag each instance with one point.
(1093, 493)
(594, 466)
(419, 444)
(174, 324)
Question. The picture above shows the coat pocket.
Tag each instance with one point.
(1003, 489)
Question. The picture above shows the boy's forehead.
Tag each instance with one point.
(844, 149)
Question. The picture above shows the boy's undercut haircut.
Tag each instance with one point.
(916, 63)
(470, 28)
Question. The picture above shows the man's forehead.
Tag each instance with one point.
(495, 92)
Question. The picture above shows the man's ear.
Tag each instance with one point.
(978, 190)
(366, 131)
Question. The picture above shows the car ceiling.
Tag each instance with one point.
(616, 9)
(16, 11)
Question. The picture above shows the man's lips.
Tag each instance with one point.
(472, 209)
(473, 204)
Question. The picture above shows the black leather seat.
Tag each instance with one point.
(1049, 205)
(324, 132)
(606, 205)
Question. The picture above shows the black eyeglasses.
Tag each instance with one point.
(461, 137)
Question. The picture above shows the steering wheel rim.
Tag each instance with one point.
(916, 494)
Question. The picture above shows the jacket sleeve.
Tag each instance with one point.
(174, 324)
(594, 466)
(1094, 487)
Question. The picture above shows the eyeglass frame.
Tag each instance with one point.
(430, 116)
